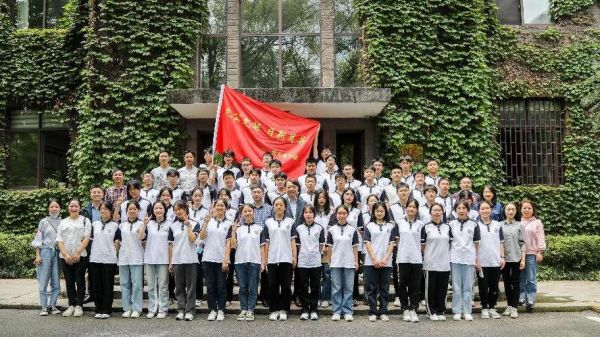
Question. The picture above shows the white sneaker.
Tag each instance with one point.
(220, 315)
(249, 316)
(273, 316)
(283, 315)
(397, 302)
(189, 316)
(180, 316)
(384, 318)
(406, 316)
(105, 316)
(54, 310)
(413, 316)
(212, 315)
(135, 314)
(485, 314)
(514, 313)
(507, 311)
(126, 314)
(44, 312)
(98, 316)
(348, 318)
(150, 314)
(423, 303)
(434, 317)
(335, 317)
(242, 316)
(78, 311)
(198, 303)
(441, 317)
(69, 311)
(324, 304)
(468, 317)
(494, 313)
(161, 315)
(372, 318)
(304, 316)
(456, 317)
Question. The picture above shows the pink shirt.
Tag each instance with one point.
(533, 231)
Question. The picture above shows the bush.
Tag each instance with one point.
(16, 256)
(22, 210)
(577, 253)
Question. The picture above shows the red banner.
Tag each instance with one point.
(250, 128)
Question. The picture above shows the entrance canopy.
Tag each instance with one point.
(305, 102)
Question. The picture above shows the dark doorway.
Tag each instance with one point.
(205, 139)
(350, 148)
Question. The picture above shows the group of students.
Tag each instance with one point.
(183, 228)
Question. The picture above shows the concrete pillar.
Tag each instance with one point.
(327, 44)
(233, 43)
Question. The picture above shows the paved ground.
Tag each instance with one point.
(28, 323)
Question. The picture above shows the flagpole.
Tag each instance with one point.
(214, 144)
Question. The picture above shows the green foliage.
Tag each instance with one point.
(136, 51)
(561, 9)
(6, 31)
(551, 34)
(22, 210)
(571, 258)
(16, 256)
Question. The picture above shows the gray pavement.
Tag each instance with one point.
(28, 323)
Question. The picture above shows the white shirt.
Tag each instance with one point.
(409, 245)
(220, 171)
(329, 177)
(365, 190)
(131, 252)
(157, 242)
(72, 232)
(353, 184)
(278, 234)
(464, 235)
(437, 246)
(342, 240)
(214, 244)
(149, 194)
(391, 194)
(355, 219)
(249, 238)
(408, 180)
(159, 175)
(335, 198)
(198, 215)
(144, 205)
(309, 240)
(188, 178)
(424, 213)
(380, 237)
(318, 184)
(323, 219)
(184, 250)
(398, 212)
(489, 247)
(383, 181)
(104, 237)
(418, 196)
(309, 198)
(447, 202)
(429, 180)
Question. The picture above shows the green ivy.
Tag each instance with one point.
(17, 256)
(561, 9)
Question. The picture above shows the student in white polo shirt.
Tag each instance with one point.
(435, 241)
(348, 170)
(463, 255)
(269, 181)
(367, 213)
(244, 179)
(342, 255)
(165, 195)
(279, 190)
(265, 171)
(228, 165)
(322, 163)
(417, 191)
(354, 219)
(173, 184)
(133, 193)
(309, 189)
(397, 213)
(198, 213)
(281, 254)
(380, 237)
(157, 257)
(253, 179)
(377, 164)
(311, 170)
(232, 214)
(103, 259)
(188, 173)
(230, 185)
(369, 187)
(331, 171)
(406, 175)
(309, 237)
(208, 190)
(215, 261)
(432, 177)
(444, 197)
(468, 197)
(340, 186)
(430, 194)
(323, 214)
(148, 191)
(390, 191)
(410, 261)
(131, 262)
(491, 260)
(514, 250)
(250, 259)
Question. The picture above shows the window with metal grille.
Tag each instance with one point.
(531, 136)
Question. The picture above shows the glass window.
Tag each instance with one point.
(346, 20)
(260, 16)
(536, 12)
(301, 16)
(347, 61)
(24, 119)
(23, 154)
(217, 19)
(300, 61)
(56, 146)
(54, 10)
(39, 13)
(212, 62)
(260, 65)
(509, 11)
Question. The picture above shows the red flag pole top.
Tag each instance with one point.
(250, 128)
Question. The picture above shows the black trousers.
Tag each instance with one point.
(103, 276)
(488, 287)
(510, 275)
(436, 289)
(230, 275)
(395, 272)
(75, 280)
(199, 279)
(280, 283)
(90, 281)
(410, 284)
(263, 294)
(171, 286)
(308, 283)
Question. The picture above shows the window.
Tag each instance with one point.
(280, 45)
(39, 13)
(212, 52)
(38, 145)
(531, 137)
(347, 45)
(516, 12)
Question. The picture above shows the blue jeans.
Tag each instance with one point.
(326, 283)
(216, 285)
(528, 281)
(247, 276)
(131, 279)
(462, 288)
(158, 287)
(47, 272)
(342, 284)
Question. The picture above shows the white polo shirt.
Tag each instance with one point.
(489, 247)
(131, 252)
(318, 185)
(220, 171)
(249, 240)
(365, 190)
(309, 240)
(104, 236)
(214, 244)
(429, 180)
(354, 184)
(157, 242)
(398, 212)
(324, 219)
(391, 194)
(188, 178)
(198, 214)
(309, 198)
(144, 205)
(409, 245)
(424, 214)
(355, 219)
(418, 196)
(149, 194)
(408, 180)
(383, 181)
(380, 237)
(342, 239)
(447, 202)
(329, 178)
(437, 246)
(335, 199)
(464, 235)
(184, 250)
(278, 234)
